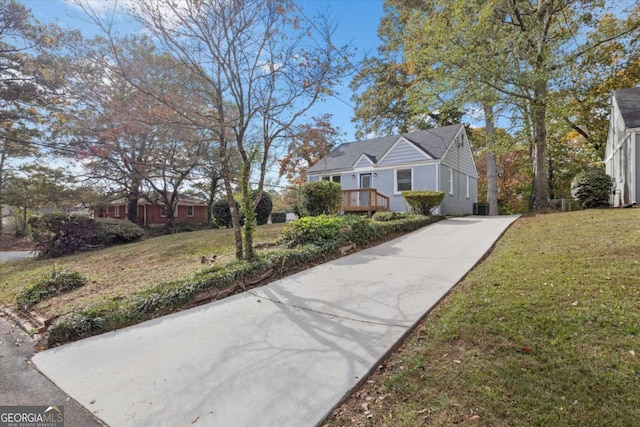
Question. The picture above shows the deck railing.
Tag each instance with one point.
(364, 200)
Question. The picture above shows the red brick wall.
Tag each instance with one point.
(154, 214)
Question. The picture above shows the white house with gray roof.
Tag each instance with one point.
(436, 159)
(622, 153)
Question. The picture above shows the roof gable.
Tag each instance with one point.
(628, 101)
(364, 161)
(404, 151)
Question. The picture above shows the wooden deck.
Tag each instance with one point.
(364, 200)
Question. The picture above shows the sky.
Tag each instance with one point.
(356, 23)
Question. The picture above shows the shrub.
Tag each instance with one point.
(61, 234)
(314, 229)
(592, 188)
(423, 202)
(263, 210)
(389, 216)
(359, 230)
(222, 213)
(57, 282)
(278, 217)
(111, 231)
(321, 197)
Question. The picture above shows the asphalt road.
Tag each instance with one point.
(15, 255)
(22, 384)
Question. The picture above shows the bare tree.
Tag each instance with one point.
(261, 65)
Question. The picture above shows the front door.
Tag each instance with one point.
(365, 182)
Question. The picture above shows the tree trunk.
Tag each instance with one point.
(249, 226)
(492, 183)
(3, 156)
(213, 187)
(538, 119)
(132, 201)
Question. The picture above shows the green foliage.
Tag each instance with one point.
(359, 230)
(278, 217)
(57, 282)
(389, 216)
(222, 213)
(263, 210)
(333, 231)
(60, 234)
(423, 202)
(592, 188)
(319, 229)
(321, 197)
(111, 231)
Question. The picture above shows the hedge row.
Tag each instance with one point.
(174, 295)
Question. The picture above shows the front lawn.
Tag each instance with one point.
(544, 332)
(121, 270)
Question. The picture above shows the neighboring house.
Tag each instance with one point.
(189, 210)
(622, 153)
(436, 159)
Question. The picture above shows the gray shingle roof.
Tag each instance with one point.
(629, 104)
(434, 142)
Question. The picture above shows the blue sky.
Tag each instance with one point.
(356, 23)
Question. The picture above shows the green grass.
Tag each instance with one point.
(544, 332)
(117, 271)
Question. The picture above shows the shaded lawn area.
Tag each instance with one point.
(120, 270)
(544, 332)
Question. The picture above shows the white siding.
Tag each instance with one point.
(621, 159)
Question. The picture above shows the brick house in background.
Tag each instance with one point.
(188, 210)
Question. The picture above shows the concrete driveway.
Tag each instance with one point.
(15, 255)
(280, 355)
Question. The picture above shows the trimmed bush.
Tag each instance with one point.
(111, 231)
(319, 229)
(61, 234)
(389, 216)
(320, 198)
(592, 188)
(264, 208)
(278, 218)
(58, 282)
(423, 202)
(222, 213)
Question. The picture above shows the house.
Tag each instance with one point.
(374, 172)
(622, 153)
(189, 210)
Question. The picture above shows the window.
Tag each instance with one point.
(451, 181)
(403, 180)
(189, 210)
(116, 211)
(334, 178)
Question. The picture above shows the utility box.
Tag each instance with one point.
(481, 208)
